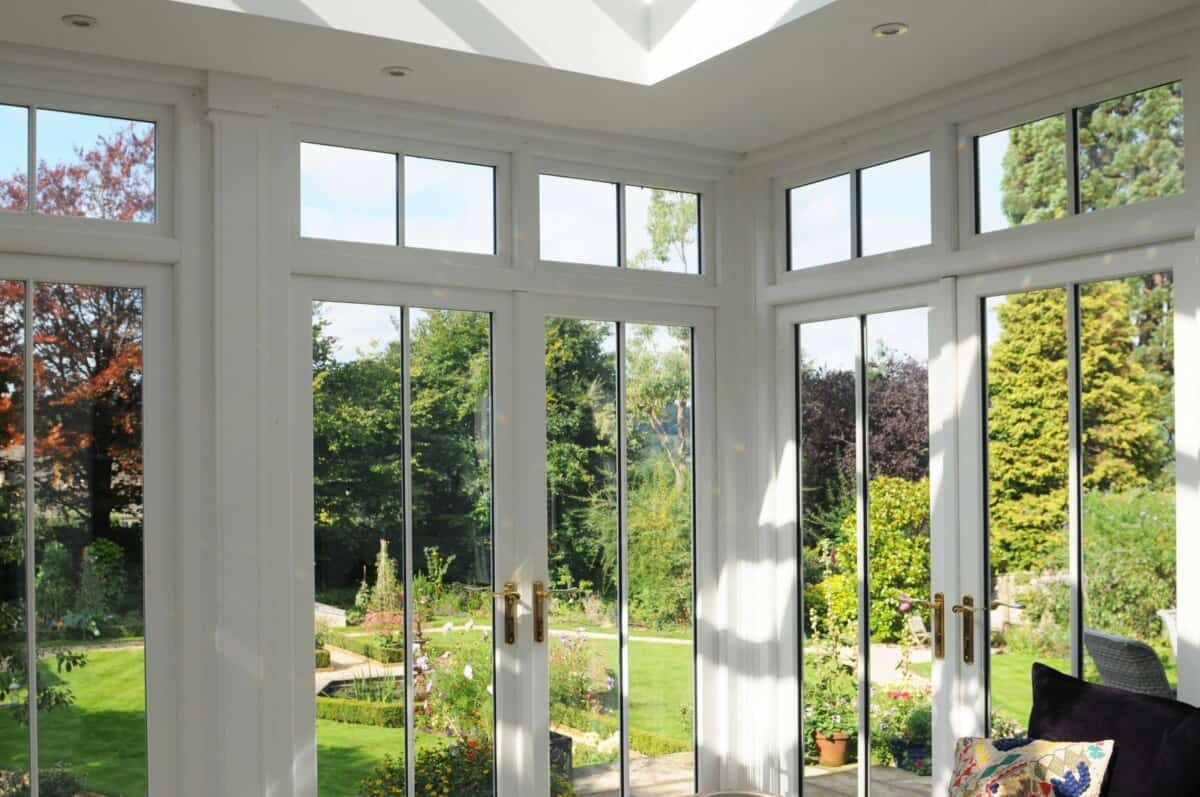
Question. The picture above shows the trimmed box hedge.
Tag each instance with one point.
(368, 646)
(644, 742)
(361, 712)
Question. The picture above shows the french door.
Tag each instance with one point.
(867, 454)
(503, 520)
(999, 451)
(1068, 477)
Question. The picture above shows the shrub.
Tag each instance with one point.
(1129, 561)
(603, 725)
(460, 697)
(899, 546)
(55, 583)
(578, 677)
(323, 659)
(361, 712)
(461, 769)
(102, 581)
(1045, 619)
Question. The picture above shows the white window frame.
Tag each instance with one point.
(1151, 213)
(533, 311)
(852, 164)
(158, 451)
(705, 240)
(162, 116)
(323, 253)
(943, 485)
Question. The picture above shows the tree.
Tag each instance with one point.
(1034, 185)
(580, 444)
(114, 179)
(358, 466)
(672, 224)
(1123, 444)
(1131, 148)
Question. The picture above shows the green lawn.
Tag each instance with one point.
(102, 737)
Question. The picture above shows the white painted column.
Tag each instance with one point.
(237, 109)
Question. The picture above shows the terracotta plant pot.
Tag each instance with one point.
(833, 751)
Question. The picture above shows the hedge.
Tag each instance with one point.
(323, 659)
(644, 742)
(368, 646)
(361, 712)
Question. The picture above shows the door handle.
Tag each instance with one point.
(541, 597)
(938, 607)
(511, 597)
(966, 612)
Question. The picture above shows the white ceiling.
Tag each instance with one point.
(819, 69)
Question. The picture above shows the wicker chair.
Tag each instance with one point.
(1127, 664)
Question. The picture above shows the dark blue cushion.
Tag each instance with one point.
(1157, 740)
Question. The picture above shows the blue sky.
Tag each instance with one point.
(896, 213)
(834, 344)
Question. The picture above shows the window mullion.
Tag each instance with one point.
(410, 748)
(856, 214)
(623, 558)
(621, 231)
(1071, 144)
(862, 472)
(30, 544)
(1075, 480)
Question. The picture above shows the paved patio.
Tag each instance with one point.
(885, 781)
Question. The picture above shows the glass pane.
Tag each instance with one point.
(451, 418)
(898, 534)
(14, 157)
(1022, 174)
(449, 205)
(578, 220)
(581, 472)
(1131, 148)
(1127, 376)
(95, 166)
(358, 496)
(828, 351)
(1028, 538)
(14, 727)
(347, 194)
(659, 531)
(896, 206)
(662, 230)
(89, 608)
(819, 226)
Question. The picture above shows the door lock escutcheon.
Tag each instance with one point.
(966, 612)
(511, 598)
(541, 599)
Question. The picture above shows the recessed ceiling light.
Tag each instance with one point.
(80, 21)
(397, 71)
(889, 30)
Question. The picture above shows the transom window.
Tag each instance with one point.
(365, 196)
(871, 211)
(601, 223)
(1126, 150)
(84, 165)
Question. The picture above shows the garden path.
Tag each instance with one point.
(885, 782)
(344, 664)
(887, 662)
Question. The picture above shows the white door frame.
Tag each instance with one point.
(160, 522)
(509, 559)
(1181, 259)
(532, 311)
(949, 720)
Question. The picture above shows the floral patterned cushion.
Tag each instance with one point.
(1029, 768)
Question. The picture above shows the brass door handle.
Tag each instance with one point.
(998, 604)
(966, 611)
(938, 607)
(511, 597)
(540, 600)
